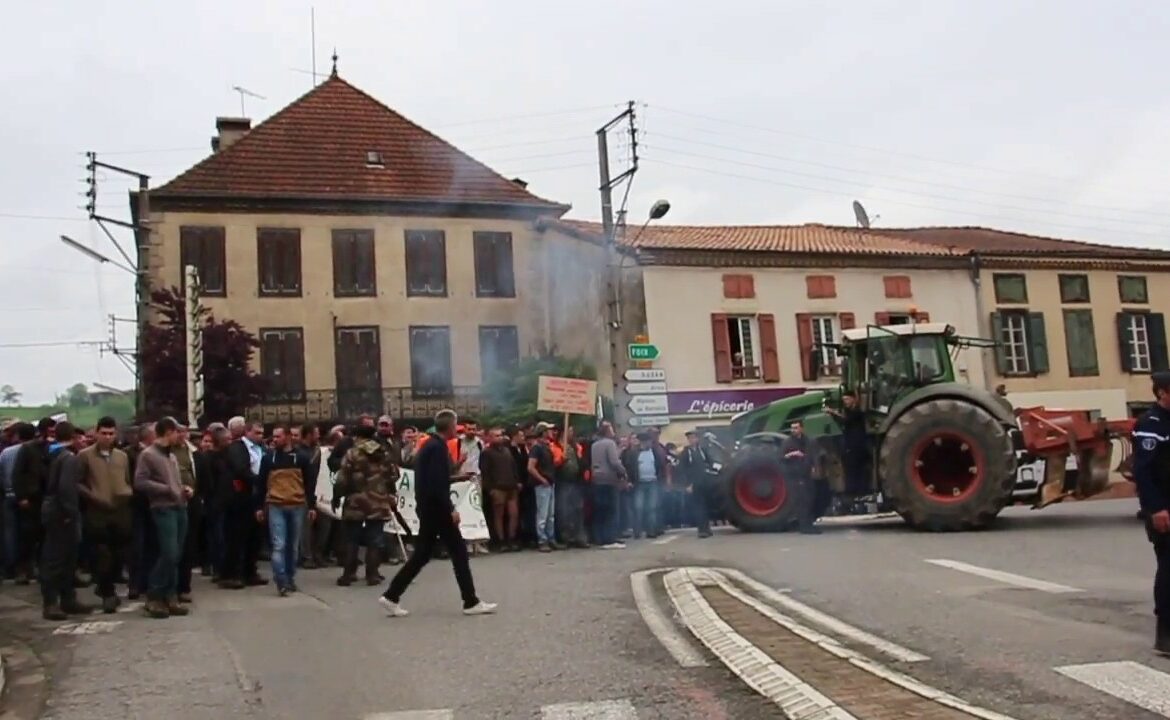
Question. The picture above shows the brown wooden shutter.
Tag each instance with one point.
(747, 286)
(721, 342)
(731, 286)
(294, 359)
(881, 318)
(848, 321)
(922, 317)
(770, 356)
(343, 272)
(804, 339)
(897, 286)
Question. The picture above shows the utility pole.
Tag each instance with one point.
(608, 183)
(194, 337)
(141, 263)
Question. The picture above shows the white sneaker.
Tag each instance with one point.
(480, 608)
(615, 546)
(392, 608)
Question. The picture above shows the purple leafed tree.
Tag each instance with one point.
(229, 384)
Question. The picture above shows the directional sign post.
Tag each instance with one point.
(646, 375)
(649, 420)
(646, 388)
(649, 405)
(642, 351)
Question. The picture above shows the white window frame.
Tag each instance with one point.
(1138, 333)
(1015, 343)
(825, 329)
(748, 328)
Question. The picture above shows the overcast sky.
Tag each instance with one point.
(1043, 117)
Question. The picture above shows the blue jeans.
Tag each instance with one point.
(546, 514)
(284, 530)
(646, 508)
(170, 525)
(606, 511)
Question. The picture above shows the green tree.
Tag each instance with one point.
(512, 393)
(121, 408)
(9, 395)
(77, 396)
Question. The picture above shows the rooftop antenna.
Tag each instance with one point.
(245, 91)
(861, 215)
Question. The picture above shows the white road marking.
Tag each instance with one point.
(686, 654)
(750, 664)
(600, 710)
(87, 628)
(413, 715)
(828, 622)
(1006, 578)
(665, 540)
(129, 607)
(1132, 682)
(832, 646)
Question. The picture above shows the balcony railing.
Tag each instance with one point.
(347, 405)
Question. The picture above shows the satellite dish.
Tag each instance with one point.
(861, 215)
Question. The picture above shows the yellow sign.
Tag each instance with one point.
(567, 395)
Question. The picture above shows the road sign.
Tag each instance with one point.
(645, 375)
(645, 388)
(649, 405)
(642, 351)
(649, 420)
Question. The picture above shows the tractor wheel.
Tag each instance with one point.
(947, 465)
(758, 498)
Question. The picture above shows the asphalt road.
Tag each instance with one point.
(569, 631)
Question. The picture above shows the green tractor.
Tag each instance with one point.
(941, 453)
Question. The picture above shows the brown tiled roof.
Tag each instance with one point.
(1002, 242)
(796, 239)
(315, 149)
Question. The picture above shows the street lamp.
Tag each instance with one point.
(657, 211)
(95, 255)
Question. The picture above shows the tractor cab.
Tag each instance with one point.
(882, 364)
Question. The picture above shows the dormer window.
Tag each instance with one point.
(374, 159)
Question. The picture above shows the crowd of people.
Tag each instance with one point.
(148, 505)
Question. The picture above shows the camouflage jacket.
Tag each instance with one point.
(368, 481)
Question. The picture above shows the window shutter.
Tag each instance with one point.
(721, 342)
(731, 286)
(897, 286)
(342, 265)
(881, 318)
(294, 363)
(770, 355)
(1001, 364)
(848, 321)
(747, 286)
(1080, 343)
(1123, 345)
(804, 339)
(365, 271)
(1156, 331)
(1037, 344)
(921, 317)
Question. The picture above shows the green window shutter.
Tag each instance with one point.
(1081, 343)
(1123, 345)
(997, 335)
(1156, 329)
(1037, 344)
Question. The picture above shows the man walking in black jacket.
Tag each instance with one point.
(61, 518)
(799, 453)
(241, 531)
(438, 522)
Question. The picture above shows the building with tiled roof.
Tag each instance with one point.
(739, 311)
(382, 269)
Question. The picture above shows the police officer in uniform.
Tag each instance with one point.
(1151, 473)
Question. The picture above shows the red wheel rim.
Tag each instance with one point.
(947, 467)
(760, 491)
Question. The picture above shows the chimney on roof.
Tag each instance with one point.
(229, 130)
(522, 183)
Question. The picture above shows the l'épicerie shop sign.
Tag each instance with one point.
(723, 403)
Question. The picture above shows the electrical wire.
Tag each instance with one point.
(526, 116)
(932, 183)
(932, 196)
(838, 193)
(58, 343)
